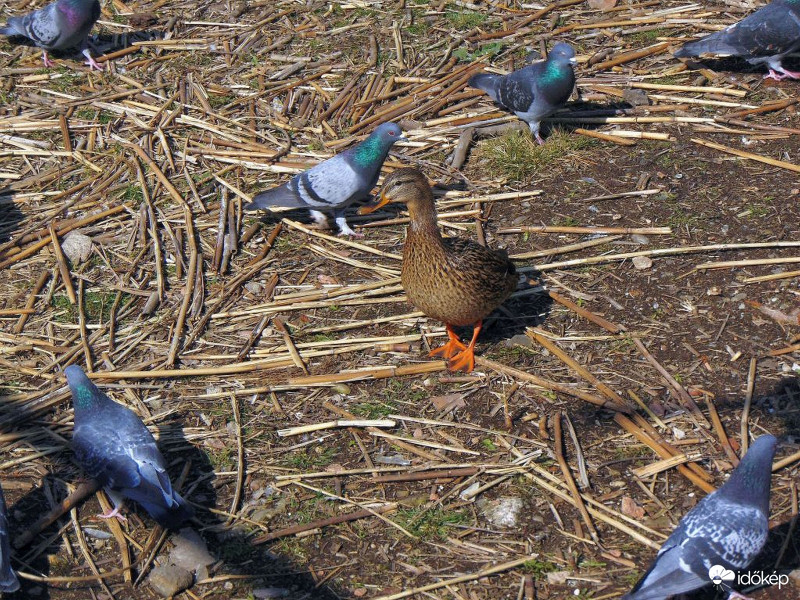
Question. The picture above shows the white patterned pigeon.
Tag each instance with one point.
(8, 580)
(336, 183)
(726, 530)
(766, 36)
(536, 91)
(61, 25)
(115, 448)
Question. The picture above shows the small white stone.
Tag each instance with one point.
(77, 247)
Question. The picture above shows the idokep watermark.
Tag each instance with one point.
(725, 578)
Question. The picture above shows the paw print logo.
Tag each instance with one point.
(717, 574)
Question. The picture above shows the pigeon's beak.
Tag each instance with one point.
(402, 138)
(573, 60)
(365, 210)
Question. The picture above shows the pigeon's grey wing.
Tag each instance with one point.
(104, 455)
(8, 580)
(732, 534)
(771, 31)
(332, 183)
(41, 26)
(335, 182)
(669, 574)
(516, 90)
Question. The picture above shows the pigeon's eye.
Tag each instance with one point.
(392, 133)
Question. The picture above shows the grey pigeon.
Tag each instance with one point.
(61, 25)
(336, 183)
(115, 448)
(726, 530)
(766, 36)
(8, 580)
(536, 91)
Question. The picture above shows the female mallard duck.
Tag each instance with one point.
(450, 279)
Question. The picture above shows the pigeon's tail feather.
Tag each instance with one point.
(279, 196)
(9, 29)
(487, 82)
(709, 45)
(170, 517)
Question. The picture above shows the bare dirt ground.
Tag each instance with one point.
(221, 328)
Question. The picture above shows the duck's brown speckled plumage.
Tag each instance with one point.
(450, 279)
(455, 280)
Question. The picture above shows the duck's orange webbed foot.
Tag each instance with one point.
(451, 348)
(465, 360)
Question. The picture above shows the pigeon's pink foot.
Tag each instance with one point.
(351, 233)
(92, 63)
(113, 514)
(46, 60)
(539, 139)
(773, 74)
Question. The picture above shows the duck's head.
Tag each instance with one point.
(406, 186)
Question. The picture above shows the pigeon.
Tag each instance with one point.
(336, 183)
(766, 36)
(115, 448)
(723, 533)
(536, 91)
(8, 580)
(61, 25)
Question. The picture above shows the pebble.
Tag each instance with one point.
(190, 551)
(77, 247)
(169, 580)
(503, 512)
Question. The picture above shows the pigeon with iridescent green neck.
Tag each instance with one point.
(333, 185)
(115, 448)
(8, 579)
(62, 25)
(722, 534)
(765, 37)
(536, 91)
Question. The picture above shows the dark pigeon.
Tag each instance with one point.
(765, 37)
(115, 448)
(727, 528)
(336, 183)
(8, 580)
(62, 25)
(536, 91)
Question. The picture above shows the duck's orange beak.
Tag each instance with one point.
(365, 210)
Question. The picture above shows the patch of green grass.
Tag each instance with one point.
(539, 568)
(463, 54)
(757, 210)
(419, 27)
(319, 457)
(591, 564)
(133, 193)
(465, 19)
(430, 524)
(374, 410)
(488, 444)
(216, 101)
(221, 458)
(96, 306)
(647, 37)
(565, 221)
(518, 156)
